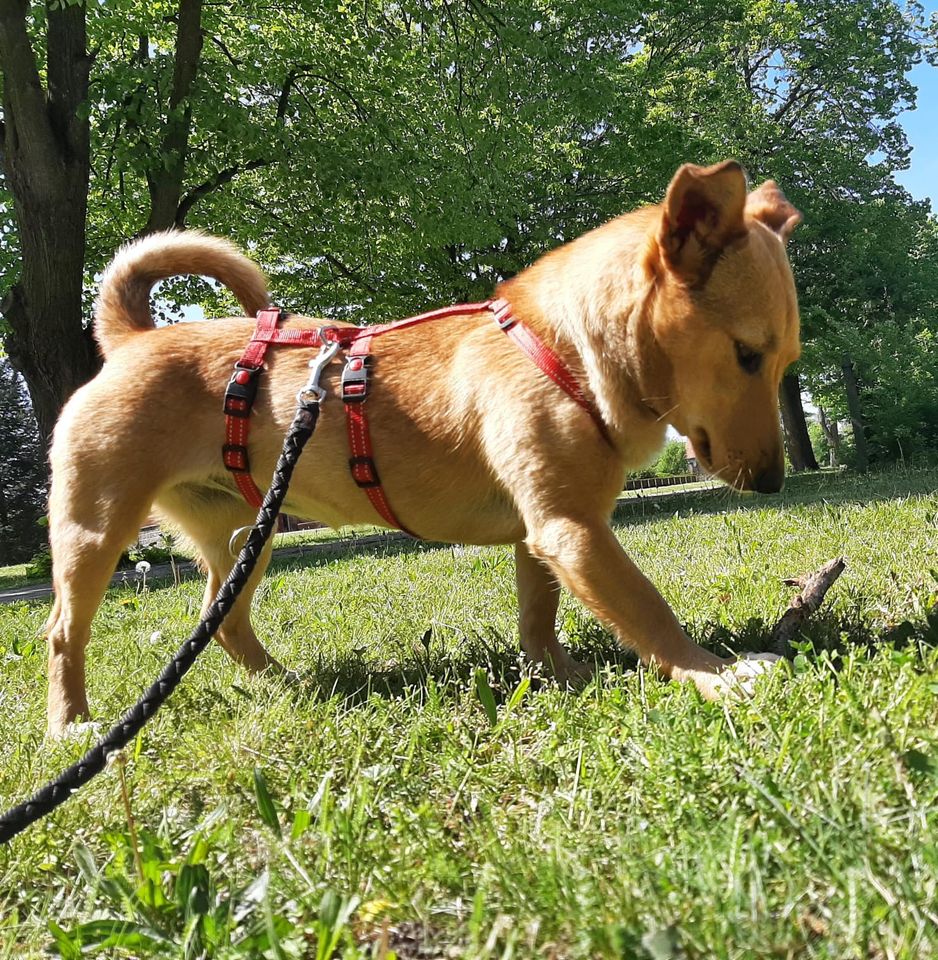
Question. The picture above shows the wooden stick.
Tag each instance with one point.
(813, 588)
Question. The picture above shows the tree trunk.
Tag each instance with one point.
(46, 163)
(856, 418)
(166, 176)
(832, 433)
(797, 441)
(46, 160)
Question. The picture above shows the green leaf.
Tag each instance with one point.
(104, 934)
(301, 822)
(66, 944)
(334, 914)
(193, 889)
(87, 866)
(486, 697)
(265, 803)
(518, 694)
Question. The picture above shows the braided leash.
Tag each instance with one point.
(59, 790)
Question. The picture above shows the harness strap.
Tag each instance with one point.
(242, 389)
(361, 462)
(239, 400)
(547, 361)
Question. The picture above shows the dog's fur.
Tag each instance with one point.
(474, 444)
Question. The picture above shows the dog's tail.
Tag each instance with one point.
(123, 305)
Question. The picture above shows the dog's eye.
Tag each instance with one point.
(749, 360)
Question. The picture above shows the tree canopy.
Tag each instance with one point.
(379, 158)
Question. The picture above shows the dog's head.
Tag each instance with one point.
(724, 319)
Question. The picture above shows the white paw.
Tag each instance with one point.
(738, 680)
(87, 730)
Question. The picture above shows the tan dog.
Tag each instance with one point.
(682, 313)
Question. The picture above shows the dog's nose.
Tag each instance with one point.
(770, 480)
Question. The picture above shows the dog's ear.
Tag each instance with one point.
(769, 205)
(703, 211)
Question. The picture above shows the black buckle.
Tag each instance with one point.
(372, 479)
(235, 458)
(355, 379)
(241, 391)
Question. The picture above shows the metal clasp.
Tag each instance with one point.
(312, 392)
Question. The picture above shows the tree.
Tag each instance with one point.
(381, 157)
(46, 165)
(875, 297)
(22, 477)
(795, 427)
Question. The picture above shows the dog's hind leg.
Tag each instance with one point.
(538, 597)
(89, 527)
(209, 520)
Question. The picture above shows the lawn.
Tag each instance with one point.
(423, 794)
(13, 576)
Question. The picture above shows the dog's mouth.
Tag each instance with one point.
(703, 449)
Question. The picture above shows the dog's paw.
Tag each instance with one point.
(574, 674)
(738, 680)
(86, 730)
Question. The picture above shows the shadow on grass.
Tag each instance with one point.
(354, 679)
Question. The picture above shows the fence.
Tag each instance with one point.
(654, 483)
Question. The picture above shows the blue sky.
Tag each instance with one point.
(921, 127)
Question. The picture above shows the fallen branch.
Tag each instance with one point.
(813, 588)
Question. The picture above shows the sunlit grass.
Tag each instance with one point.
(379, 808)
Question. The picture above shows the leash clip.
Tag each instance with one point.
(312, 392)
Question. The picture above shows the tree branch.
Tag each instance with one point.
(232, 59)
(68, 66)
(813, 588)
(288, 84)
(193, 196)
(349, 273)
(28, 129)
(166, 185)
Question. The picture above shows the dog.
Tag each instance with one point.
(682, 313)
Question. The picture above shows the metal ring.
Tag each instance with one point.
(235, 550)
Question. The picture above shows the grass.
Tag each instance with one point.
(425, 795)
(13, 576)
(16, 574)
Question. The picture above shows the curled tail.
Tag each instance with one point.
(123, 304)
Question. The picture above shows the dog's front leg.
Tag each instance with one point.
(587, 559)
(538, 596)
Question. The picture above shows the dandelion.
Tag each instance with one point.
(143, 568)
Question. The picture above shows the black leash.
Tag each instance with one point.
(66, 783)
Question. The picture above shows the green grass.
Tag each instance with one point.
(13, 576)
(425, 795)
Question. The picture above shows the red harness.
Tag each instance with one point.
(356, 341)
